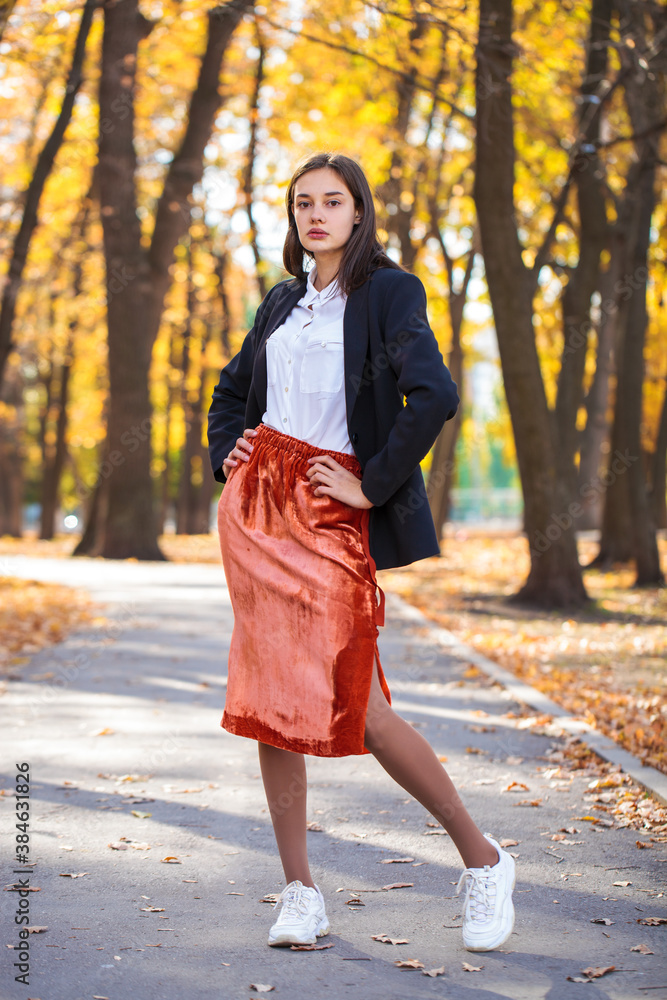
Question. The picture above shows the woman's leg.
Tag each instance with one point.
(285, 784)
(411, 761)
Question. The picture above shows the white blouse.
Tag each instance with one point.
(305, 371)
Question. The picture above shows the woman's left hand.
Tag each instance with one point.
(334, 480)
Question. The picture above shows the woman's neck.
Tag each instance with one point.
(327, 269)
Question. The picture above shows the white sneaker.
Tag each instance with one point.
(302, 917)
(488, 911)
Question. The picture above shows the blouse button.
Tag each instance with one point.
(324, 343)
(284, 420)
(286, 389)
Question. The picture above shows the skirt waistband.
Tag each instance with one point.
(302, 449)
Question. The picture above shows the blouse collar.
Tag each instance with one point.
(312, 294)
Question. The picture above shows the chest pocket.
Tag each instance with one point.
(323, 366)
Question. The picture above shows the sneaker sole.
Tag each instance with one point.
(286, 938)
(504, 934)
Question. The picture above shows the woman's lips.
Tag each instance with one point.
(317, 234)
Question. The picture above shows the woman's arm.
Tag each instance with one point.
(412, 352)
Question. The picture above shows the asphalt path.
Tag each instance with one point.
(119, 726)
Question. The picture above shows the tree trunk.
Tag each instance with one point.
(628, 529)
(401, 214)
(90, 543)
(56, 459)
(11, 454)
(630, 382)
(657, 497)
(441, 474)
(248, 186)
(6, 8)
(137, 282)
(593, 237)
(555, 578)
(130, 529)
(596, 432)
(29, 221)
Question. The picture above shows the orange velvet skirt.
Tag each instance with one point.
(302, 585)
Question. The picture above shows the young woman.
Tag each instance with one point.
(317, 427)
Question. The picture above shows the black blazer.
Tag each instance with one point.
(390, 352)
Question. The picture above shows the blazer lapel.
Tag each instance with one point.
(355, 337)
(277, 317)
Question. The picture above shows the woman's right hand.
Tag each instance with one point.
(240, 452)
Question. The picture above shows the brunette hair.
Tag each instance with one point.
(363, 253)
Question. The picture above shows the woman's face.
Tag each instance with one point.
(324, 211)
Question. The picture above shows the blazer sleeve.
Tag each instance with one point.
(423, 379)
(226, 415)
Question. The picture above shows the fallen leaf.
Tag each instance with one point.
(642, 844)
(643, 949)
(261, 987)
(395, 861)
(389, 940)
(36, 930)
(443, 758)
(602, 920)
(471, 968)
(475, 750)
(310, 947)
(170, 860)
(107, 731)
(528, 802)
(152, 909)
(409, 963)
(506, 842)
(398, 885)
(355, 901)
(516, 785)
(595, 971)
(315, 827)
(72, 874)
(434, 972)
(652, 921)
(621, 885)
(116, 845)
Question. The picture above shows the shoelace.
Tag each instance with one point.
(294, 905)
(480, 892)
